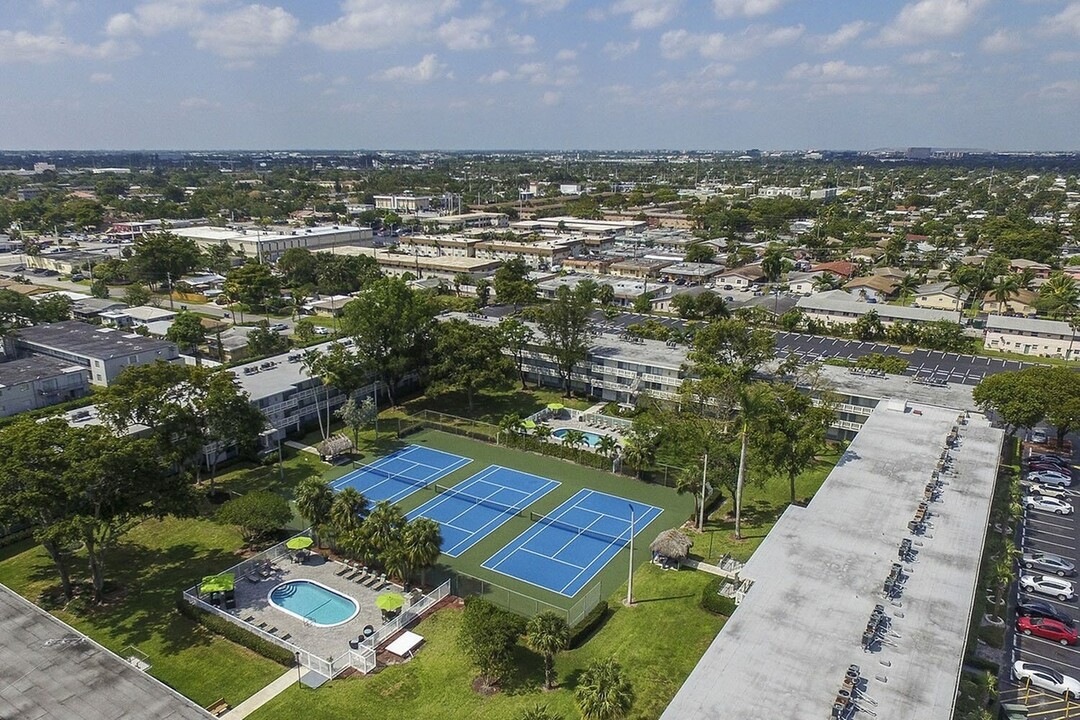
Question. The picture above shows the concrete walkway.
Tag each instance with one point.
(302, 447)
(268, 693)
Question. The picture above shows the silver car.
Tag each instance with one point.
(1048, 563)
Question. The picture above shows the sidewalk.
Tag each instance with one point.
(262, 697)
(302, 447)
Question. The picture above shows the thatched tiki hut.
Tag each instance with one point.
(670, 547)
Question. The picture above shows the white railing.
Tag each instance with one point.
(409, 615)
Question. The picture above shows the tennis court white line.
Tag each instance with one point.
(500, 518)
(601, 555)
(539, 528)
(482, 475)
(547, 557)
(439, 472)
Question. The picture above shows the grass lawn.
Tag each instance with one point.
(1035, 360)
(762, 506)
(151, 564)
(658, 642)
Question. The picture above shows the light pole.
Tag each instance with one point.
(630, 579)
(298, 679)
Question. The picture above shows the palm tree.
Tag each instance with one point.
(537, 712)
(547, 633)
(965, 279)
(314, 498)
(907, 287)
(573, 438)
(1060, 296)
(689, 481)
(752, 401)
(639, 451)
(542, 432)
(603, 692)
(346, 510)
(607, 445)
(314, 364)
(509, 424)
(772, 265)
(384, 525)
(1005, 288)
(421, 541)
(825, 281)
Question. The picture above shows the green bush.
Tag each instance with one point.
(885, 363)
(240, 636)
(592, 620)
(713, 601)
(982, 663)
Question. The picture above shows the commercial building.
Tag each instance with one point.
(639, 267)
(692, 272)
(406, 203)
(104, 352)
(446, 266)
(35, 382)
(462, 221)
(269, 245)
(439, 245)
(571, 224)
(1028, 336)
(542, 254)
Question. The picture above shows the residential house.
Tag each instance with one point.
(840, 268)
(1039, 270)
(867, 255)
(872, 288)
(1022, 302)
(741, 277)
(89, 309)
(1028, 336)
(938, 296)
(639, 267)
(803, 283)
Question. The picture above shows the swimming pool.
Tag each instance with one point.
(313, 602)
(591, 439)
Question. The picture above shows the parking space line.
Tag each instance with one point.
(1050, 542)
(1071, 604)
(1051, 643)
(1052, 533)
(1050, 659)
(1046, 526)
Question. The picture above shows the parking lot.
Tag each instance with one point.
(922, 364)
(1059, 535)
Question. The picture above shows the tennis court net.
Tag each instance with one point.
(578, 530)
(501, 507)
(394, 476)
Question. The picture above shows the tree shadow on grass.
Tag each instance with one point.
(526, 673)
(641, 601)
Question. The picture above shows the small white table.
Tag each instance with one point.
(405, 644)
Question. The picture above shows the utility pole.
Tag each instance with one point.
(630, 580)
(168, 279)
(704, 484)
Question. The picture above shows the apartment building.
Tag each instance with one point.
(104, 352)
(439, 245)
(36, 382)
(405, 203)
(1027, 336)
(269, 245)
(543, 254)
(836, 307)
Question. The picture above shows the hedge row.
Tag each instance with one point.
(713, 601)
(594, 619)
(574, 454)
(229, 631)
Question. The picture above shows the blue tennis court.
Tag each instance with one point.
(401, 473)
(478, 505)
(566, 549)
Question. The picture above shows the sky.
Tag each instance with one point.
(539, 74)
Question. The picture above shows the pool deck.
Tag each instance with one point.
(252, 601)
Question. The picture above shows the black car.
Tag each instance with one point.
(1049, 458)
(1038, 608)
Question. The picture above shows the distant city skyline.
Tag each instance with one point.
(540, 74)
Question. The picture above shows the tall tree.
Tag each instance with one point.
(258, 514)
(564, 325)
(512, 284)
(314, 499)
(357, 414)
(228, 420)
(390, 325)
(421, 539)
(263, 342)
(1059, 297)
(517, 337)
(548, 634)
(346, 510)
(487, 637)
(188, 332)
(1015, 397)
(163, 258)
(603, 691)
(794, 431)
(468, 357)
(251, 284)
(732, 343)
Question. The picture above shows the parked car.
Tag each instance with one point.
(1048, 504)
(320, 330)
(1050, 491)
(1047, 629)
(1030, 607)
(1046, 585)
(1041, 466)
(1046, 678)
(1047, 562)
(1048, 477)
(1051, 458)
(279, 327)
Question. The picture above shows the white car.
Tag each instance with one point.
(1048, 504)
(1047, 585)
(1046, 678)
(1047, 562)
(1050, 491)
(1047, 477)
(1038, 436)
(320, 330)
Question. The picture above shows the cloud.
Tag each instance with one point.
(551, 97)
(429, 68)
(930, 57)
(675, 44)
(465, 33)
(618, 51)
(566, 55)
(834, 70)
(198, 103)
(1060, 90)
(523, 44)
(539, 73)
(745, 8)
(101, 78)
(249, 32)
(1000, 42)
(368, 24)
(546, 6)
(844, 34)
(496, 77)
(1063, 56)
(24, 46)
(646, 14)
(1066, 21)
(929, 19)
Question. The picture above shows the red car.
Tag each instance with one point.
(1047, 628)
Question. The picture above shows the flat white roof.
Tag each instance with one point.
(819, 574)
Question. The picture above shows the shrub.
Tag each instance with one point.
(589, 624)
(257, 514)
(713, 601)
(235, 633)
(488, 635)
(885, 363)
